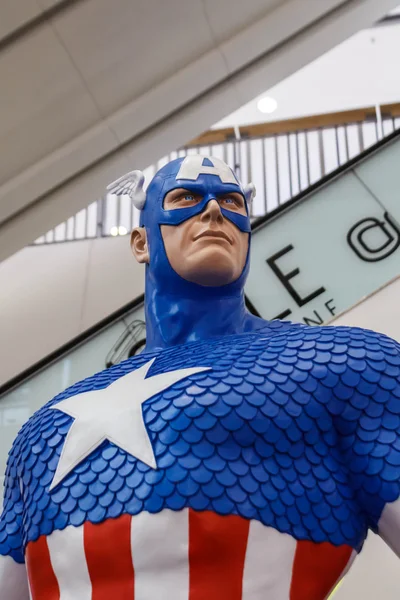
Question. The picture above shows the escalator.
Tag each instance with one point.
(312, 258)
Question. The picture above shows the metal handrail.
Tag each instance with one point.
(281, 165)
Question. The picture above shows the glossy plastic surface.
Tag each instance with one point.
(178, 311)
(294, 426)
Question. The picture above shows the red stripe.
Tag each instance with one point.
(316, 569)
(109, 558)
(42, 580)
(217, 549)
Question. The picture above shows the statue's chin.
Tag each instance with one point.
(208, 265)
(215, 275)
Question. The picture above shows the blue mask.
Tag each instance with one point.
(178, 310)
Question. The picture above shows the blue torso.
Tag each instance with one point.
(294, 426)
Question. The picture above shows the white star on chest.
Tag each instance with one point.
(114, 414)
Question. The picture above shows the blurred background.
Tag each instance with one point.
(302, 97)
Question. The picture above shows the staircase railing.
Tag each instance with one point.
(282, 158)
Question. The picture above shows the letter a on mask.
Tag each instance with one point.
(193, 166)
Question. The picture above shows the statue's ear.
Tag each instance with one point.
(249, 192)
(130, 185)
(139, 245)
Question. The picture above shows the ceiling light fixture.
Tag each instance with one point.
(121, 230)
(267, 105)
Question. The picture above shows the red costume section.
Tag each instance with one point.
(42, 580)
(214, 560)
(217, 551)
(317, 568)
(109, 558)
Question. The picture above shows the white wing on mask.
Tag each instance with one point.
(249, 191)
(130, 184)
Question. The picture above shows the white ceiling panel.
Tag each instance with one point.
(105, 86)
(286, 19)
(123, 48)
(46, 4)
(43, 102)
(16, 13)
(226, 19)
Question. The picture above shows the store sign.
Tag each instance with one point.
(388, 231)
(329, 251)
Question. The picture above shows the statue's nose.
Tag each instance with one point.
(212, 211)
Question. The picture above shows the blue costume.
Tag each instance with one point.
(291, 426)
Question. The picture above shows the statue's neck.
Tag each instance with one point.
(172, 320)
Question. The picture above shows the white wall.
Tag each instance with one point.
(67, 287)
(380, 311)
(360, 72)
(374, 574)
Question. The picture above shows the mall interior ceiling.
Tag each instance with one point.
(93, 88)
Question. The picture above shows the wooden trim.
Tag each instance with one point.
(219, 136)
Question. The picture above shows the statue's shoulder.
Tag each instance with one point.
(353, 343)
(42, 418)
(347, 361)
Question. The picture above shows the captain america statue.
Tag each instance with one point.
(234, 459)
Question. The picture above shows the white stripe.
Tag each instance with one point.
(268, 564)
(13, 580)
(67, 555)
(160, 551)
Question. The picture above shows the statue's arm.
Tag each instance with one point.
(373, 447)
(389, 522)
(13, 573)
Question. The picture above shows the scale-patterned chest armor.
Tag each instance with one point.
(292, 429)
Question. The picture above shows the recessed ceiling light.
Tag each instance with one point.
(121, 230)
(267, 105)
